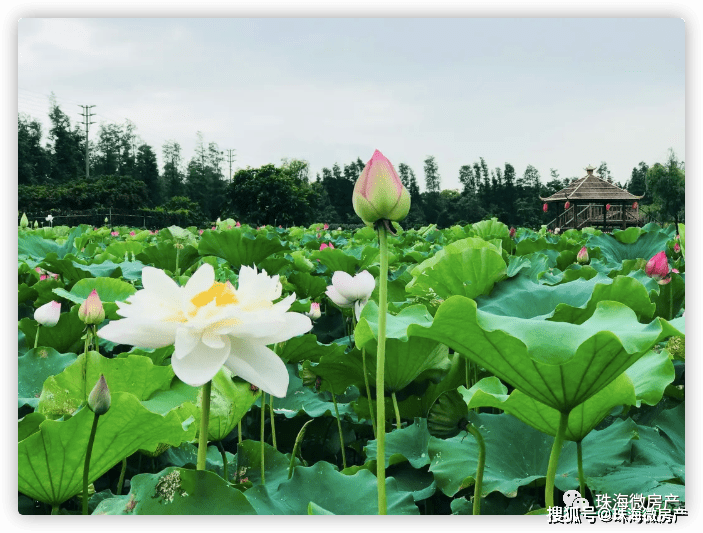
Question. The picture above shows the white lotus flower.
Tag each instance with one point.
(212, 324)
(347, 291)
(48, 314)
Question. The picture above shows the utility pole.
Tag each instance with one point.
(230, 156)
(86, 114)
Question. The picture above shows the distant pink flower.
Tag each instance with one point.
(214, 228)
(326, 226)
(677, 247)
(545, 207)
(238, 225)
(325, 245)
(229, 227)
(677, 237)
(115, 233)
(132, 233)
(201, 231)
(156, 231)
(318, 235)
(95, 229)
(280, 226)
(512, 233)
(675, 270)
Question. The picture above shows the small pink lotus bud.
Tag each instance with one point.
(657, 267)
(214, 228)
(314, 312)
(325, 245)
(607, 207)
(677, 237)
(582, 257)
(201, 231)
(91, 311)
(326, 226)
(567, 205)
(132, 233)
(48, 314)
(99, 398)
(238, 225)
(512, 233)
(545, 207)
(379, 194)
(677, 247)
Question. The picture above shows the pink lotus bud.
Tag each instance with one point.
(658, 267)
(115, 233)
(567, 205)
(214, 228)
(512, 233)
(238, 225)
(675, 270)
(48, 314)
(91, 311)
(43, 277)
(677, 247)
(95, 229)
(99, 399)
(325, 245)
(607, 207)
(314, 312)
(200, 232)
(132, 233)
(379, 194)
(582, 257)
(635, 205)
(326, 226)
(545, 207)
(676, 238)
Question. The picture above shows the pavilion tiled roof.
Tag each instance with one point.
(591, 188)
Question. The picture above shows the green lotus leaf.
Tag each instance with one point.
(50, 461)
(239, 247)
(406, 444)
(37, 247)
(307, 348)
(339, 370)
(163, 256)
(64, 337)
(29, 424)
(34, 367)
(248, 463)
(468, 267)
(118, 249)
(405, 361)
(613, 252)
(350, 260)
(650, 375)
(187, 454)
(177, 491)
(63, 393)
(331, 490)
(627, 236)
(110, 290)
(307, 285)
(314, 509)
(670, 298)
(40, 293)
(556, 363)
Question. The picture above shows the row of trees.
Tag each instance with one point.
(284, 194)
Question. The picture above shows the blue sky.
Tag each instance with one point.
(551, 92)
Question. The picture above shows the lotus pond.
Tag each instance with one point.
(497, 344)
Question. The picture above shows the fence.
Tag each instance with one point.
(145, 219)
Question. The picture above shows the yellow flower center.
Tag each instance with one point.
(221, 293)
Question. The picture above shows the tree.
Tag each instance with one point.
(146, 169)
(467, 179)
(173, 173)
(432, 177)
(33, 161)
(667, 183)
(604, 173)
(67, 149)
(106, 155)
(638, 180)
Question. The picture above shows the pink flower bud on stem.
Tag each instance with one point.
(379, 194)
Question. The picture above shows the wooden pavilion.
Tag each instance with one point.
(594, 202)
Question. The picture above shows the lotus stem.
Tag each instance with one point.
(273, 422)
(86, 467)
(479, 468)
(398, 423)
(178, 253)
(579, 462)
(36, 339)
(120, 482)
(466, 371)
(85, 369)
(204, 424)
(239, 432)
(296, 447)
(554, 460)
(339, 428)
(263, 421)
(671, 300)
(54, 509)
(381, 357)
(368, 391)
(224, 459)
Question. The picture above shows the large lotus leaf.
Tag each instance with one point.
(29, 424)
(177, 491)
(469, 267)
(517, 455)
(491, 229)
(307, 285)
(35, 246)
(63, 393)
(229, 402)
(276, 464)
(333, 491)
(34, 367)
(614, 252)
(118, 249)
(533, 266)
(339, 371)
(654, 448)
(50, 461)
(71, 268)
(489, 392)
(110, 290)
(307, 348)
(406, 444)
(239, 247)
(64, 337)
(163, 256)
(627, 236)
(405, 360)
(650, 375)
(40, 293)
(301, 399)
(556, 363)
(187, 454)
(349, 260)
(670, 297)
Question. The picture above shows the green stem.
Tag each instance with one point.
(273, 422)
(224, 459)
(95, 338)
(178, 253)
(204, 424)
(479, 468)
(86, 467)
(554, 460)
(120, 482)
(263, 421)
(671, 301)
(579, 462)
(85, 369)
(381, 359)
(398, 423)
(339, 428)
(54, 509)
(368, 391)
(239, 432)
(36, 339)
(296, 447)
(466, 371)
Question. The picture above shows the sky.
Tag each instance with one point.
(557, 93)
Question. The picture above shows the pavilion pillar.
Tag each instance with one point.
(605, 212)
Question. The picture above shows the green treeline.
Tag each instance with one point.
(124, 174)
